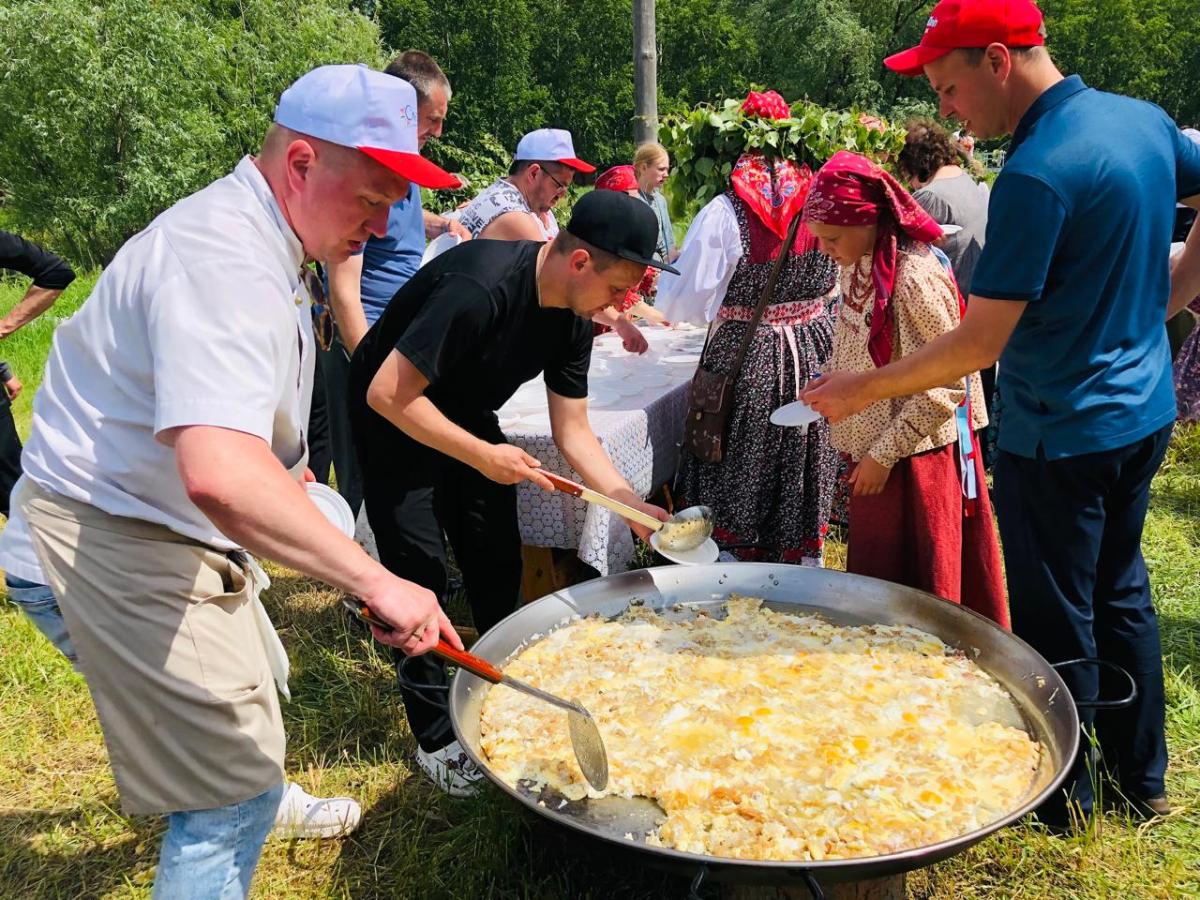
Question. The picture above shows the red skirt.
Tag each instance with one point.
(916, 533)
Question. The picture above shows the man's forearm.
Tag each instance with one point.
(35, 302)
(607, 316)
(435, 225)
(425, 423)
(345, 299)
(238, 483)
(942, 361)
(583, 452)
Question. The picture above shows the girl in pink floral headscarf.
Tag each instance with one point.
(919, 508)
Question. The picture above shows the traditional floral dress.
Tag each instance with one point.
(774, 486)
(930, 525)
(1187, 373)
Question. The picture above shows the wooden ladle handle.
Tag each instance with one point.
(469, 661)
(566, 485)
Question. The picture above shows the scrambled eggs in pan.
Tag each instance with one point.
(765, 735)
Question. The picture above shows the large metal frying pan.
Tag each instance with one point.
(1039, 692)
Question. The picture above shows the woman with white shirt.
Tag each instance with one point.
(774, 486)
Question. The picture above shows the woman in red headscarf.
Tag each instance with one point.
(638, 299)
(772, 490)
(919, 508)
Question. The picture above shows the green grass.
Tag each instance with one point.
(26, 350)
(62, 835)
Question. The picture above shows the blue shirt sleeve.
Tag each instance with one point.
(1025, 221)
(1187, 166)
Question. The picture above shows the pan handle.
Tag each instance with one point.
(809, 882)
(1112, 667)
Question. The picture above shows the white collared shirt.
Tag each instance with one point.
(711, 251)
(200, 319)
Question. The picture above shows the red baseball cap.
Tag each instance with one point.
(959, 24)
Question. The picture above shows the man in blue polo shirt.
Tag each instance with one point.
(361, 287)
(1070, 293)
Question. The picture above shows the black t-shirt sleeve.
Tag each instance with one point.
(47, 270)
(566, 373)
(452, 327)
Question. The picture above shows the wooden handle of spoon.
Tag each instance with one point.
(623, 510)
(564, 484)
(469, 661)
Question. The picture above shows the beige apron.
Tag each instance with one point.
(177, 656)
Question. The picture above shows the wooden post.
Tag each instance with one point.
(645, 72)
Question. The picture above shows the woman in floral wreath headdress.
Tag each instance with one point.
(773, 487)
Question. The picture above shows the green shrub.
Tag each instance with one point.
(705, 143)
(113, 110)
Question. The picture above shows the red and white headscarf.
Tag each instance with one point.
(774, 190)
(618, 178)
(852, 190)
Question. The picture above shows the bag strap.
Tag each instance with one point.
(764, 301)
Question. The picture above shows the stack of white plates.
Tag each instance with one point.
(682, 359)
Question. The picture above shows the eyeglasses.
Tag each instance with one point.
(322, 312)
(562, 187)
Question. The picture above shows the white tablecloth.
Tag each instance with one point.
(636, 405)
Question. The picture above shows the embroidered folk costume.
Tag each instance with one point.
(924, 529)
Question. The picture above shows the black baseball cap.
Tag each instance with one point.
(620, 224)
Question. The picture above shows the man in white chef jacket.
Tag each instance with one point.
(169, 435)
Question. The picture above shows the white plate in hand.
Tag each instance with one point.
(797, 414)
(440, 245)
(332, 506)
(699, 556)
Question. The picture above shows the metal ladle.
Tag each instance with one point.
(585, 736)
(686, 530)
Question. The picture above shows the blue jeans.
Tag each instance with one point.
(207, 854)
(37, 601)
(211, 854)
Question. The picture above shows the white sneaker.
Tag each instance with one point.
(301, 815)
(451, 770)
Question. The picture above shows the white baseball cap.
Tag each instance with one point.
(371, 111)
(551, 145)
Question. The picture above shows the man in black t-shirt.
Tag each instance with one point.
(452, 347)
(51, 276)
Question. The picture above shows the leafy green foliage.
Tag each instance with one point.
(112, 111)
(1144, 48)
(705, 143)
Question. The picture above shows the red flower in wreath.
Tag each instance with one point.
(765, 105)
